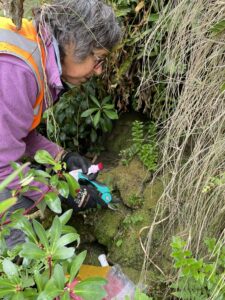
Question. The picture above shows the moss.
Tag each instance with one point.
(129, 252)
(152, 193)
(107, 226)
(128, 181)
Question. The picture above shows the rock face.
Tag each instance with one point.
(118, 231)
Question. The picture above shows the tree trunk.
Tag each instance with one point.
(14, 9)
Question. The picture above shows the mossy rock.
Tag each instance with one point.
(126, 247)
(129, 182)
(107, 226)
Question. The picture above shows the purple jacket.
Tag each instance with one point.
(18, 91)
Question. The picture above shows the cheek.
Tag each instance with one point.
(75, 70)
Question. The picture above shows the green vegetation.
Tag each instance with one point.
(199, 278)
(132, 220)
(83, 117)
(45, 266)
(135, 201)
(49, 266)
(143, 145)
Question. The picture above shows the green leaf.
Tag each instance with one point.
(66, 296)
(48, 295)
(97, 118)
(6, 292)
(18, 296)
(122, 12)
(111, 114)
(108, 106)
(63, 188)
(59, 277)
(68, 229)
(64, 218)
(32, 251)
(119, 243)
(5, 283)
(63, 253)
(12, 176)
(95, 100)
(43, 180)
(42, 174)
(53, 202)
(76, 264)
(91, 288)
(40, 231)
(40, 280)
(218, 27)
(88, 112)
(15, 167)
(222, 88)
(9, 268)
(54, 180)
(73, 184)
(153, 17)
(55, 232)
(26, 227)
(27, 180)
(30, 294)
(43, 157)
(6, 204)
(67, 239)
(140, 296)
(27, 281)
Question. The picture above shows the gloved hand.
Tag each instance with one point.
(76, 161)
(87, 197)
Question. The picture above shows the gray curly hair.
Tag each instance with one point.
(88, 24)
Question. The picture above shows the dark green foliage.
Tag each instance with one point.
(83, 115)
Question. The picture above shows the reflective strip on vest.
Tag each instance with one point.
(12, 38)
(37, 109)
(24, 45)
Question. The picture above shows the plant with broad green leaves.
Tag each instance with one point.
(100, 112)
(143, 145)
(83, 115)
(198, 278)
(58, 181)
(49, 267)
(48, 264)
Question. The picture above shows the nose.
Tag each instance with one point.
(98, 70)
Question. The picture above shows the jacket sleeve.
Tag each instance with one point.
(18, 91)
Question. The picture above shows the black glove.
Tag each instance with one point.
(76, 161)
(87, 197)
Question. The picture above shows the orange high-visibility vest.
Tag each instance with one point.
(26, 44)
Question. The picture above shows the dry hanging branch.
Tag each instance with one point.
(192, 141)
